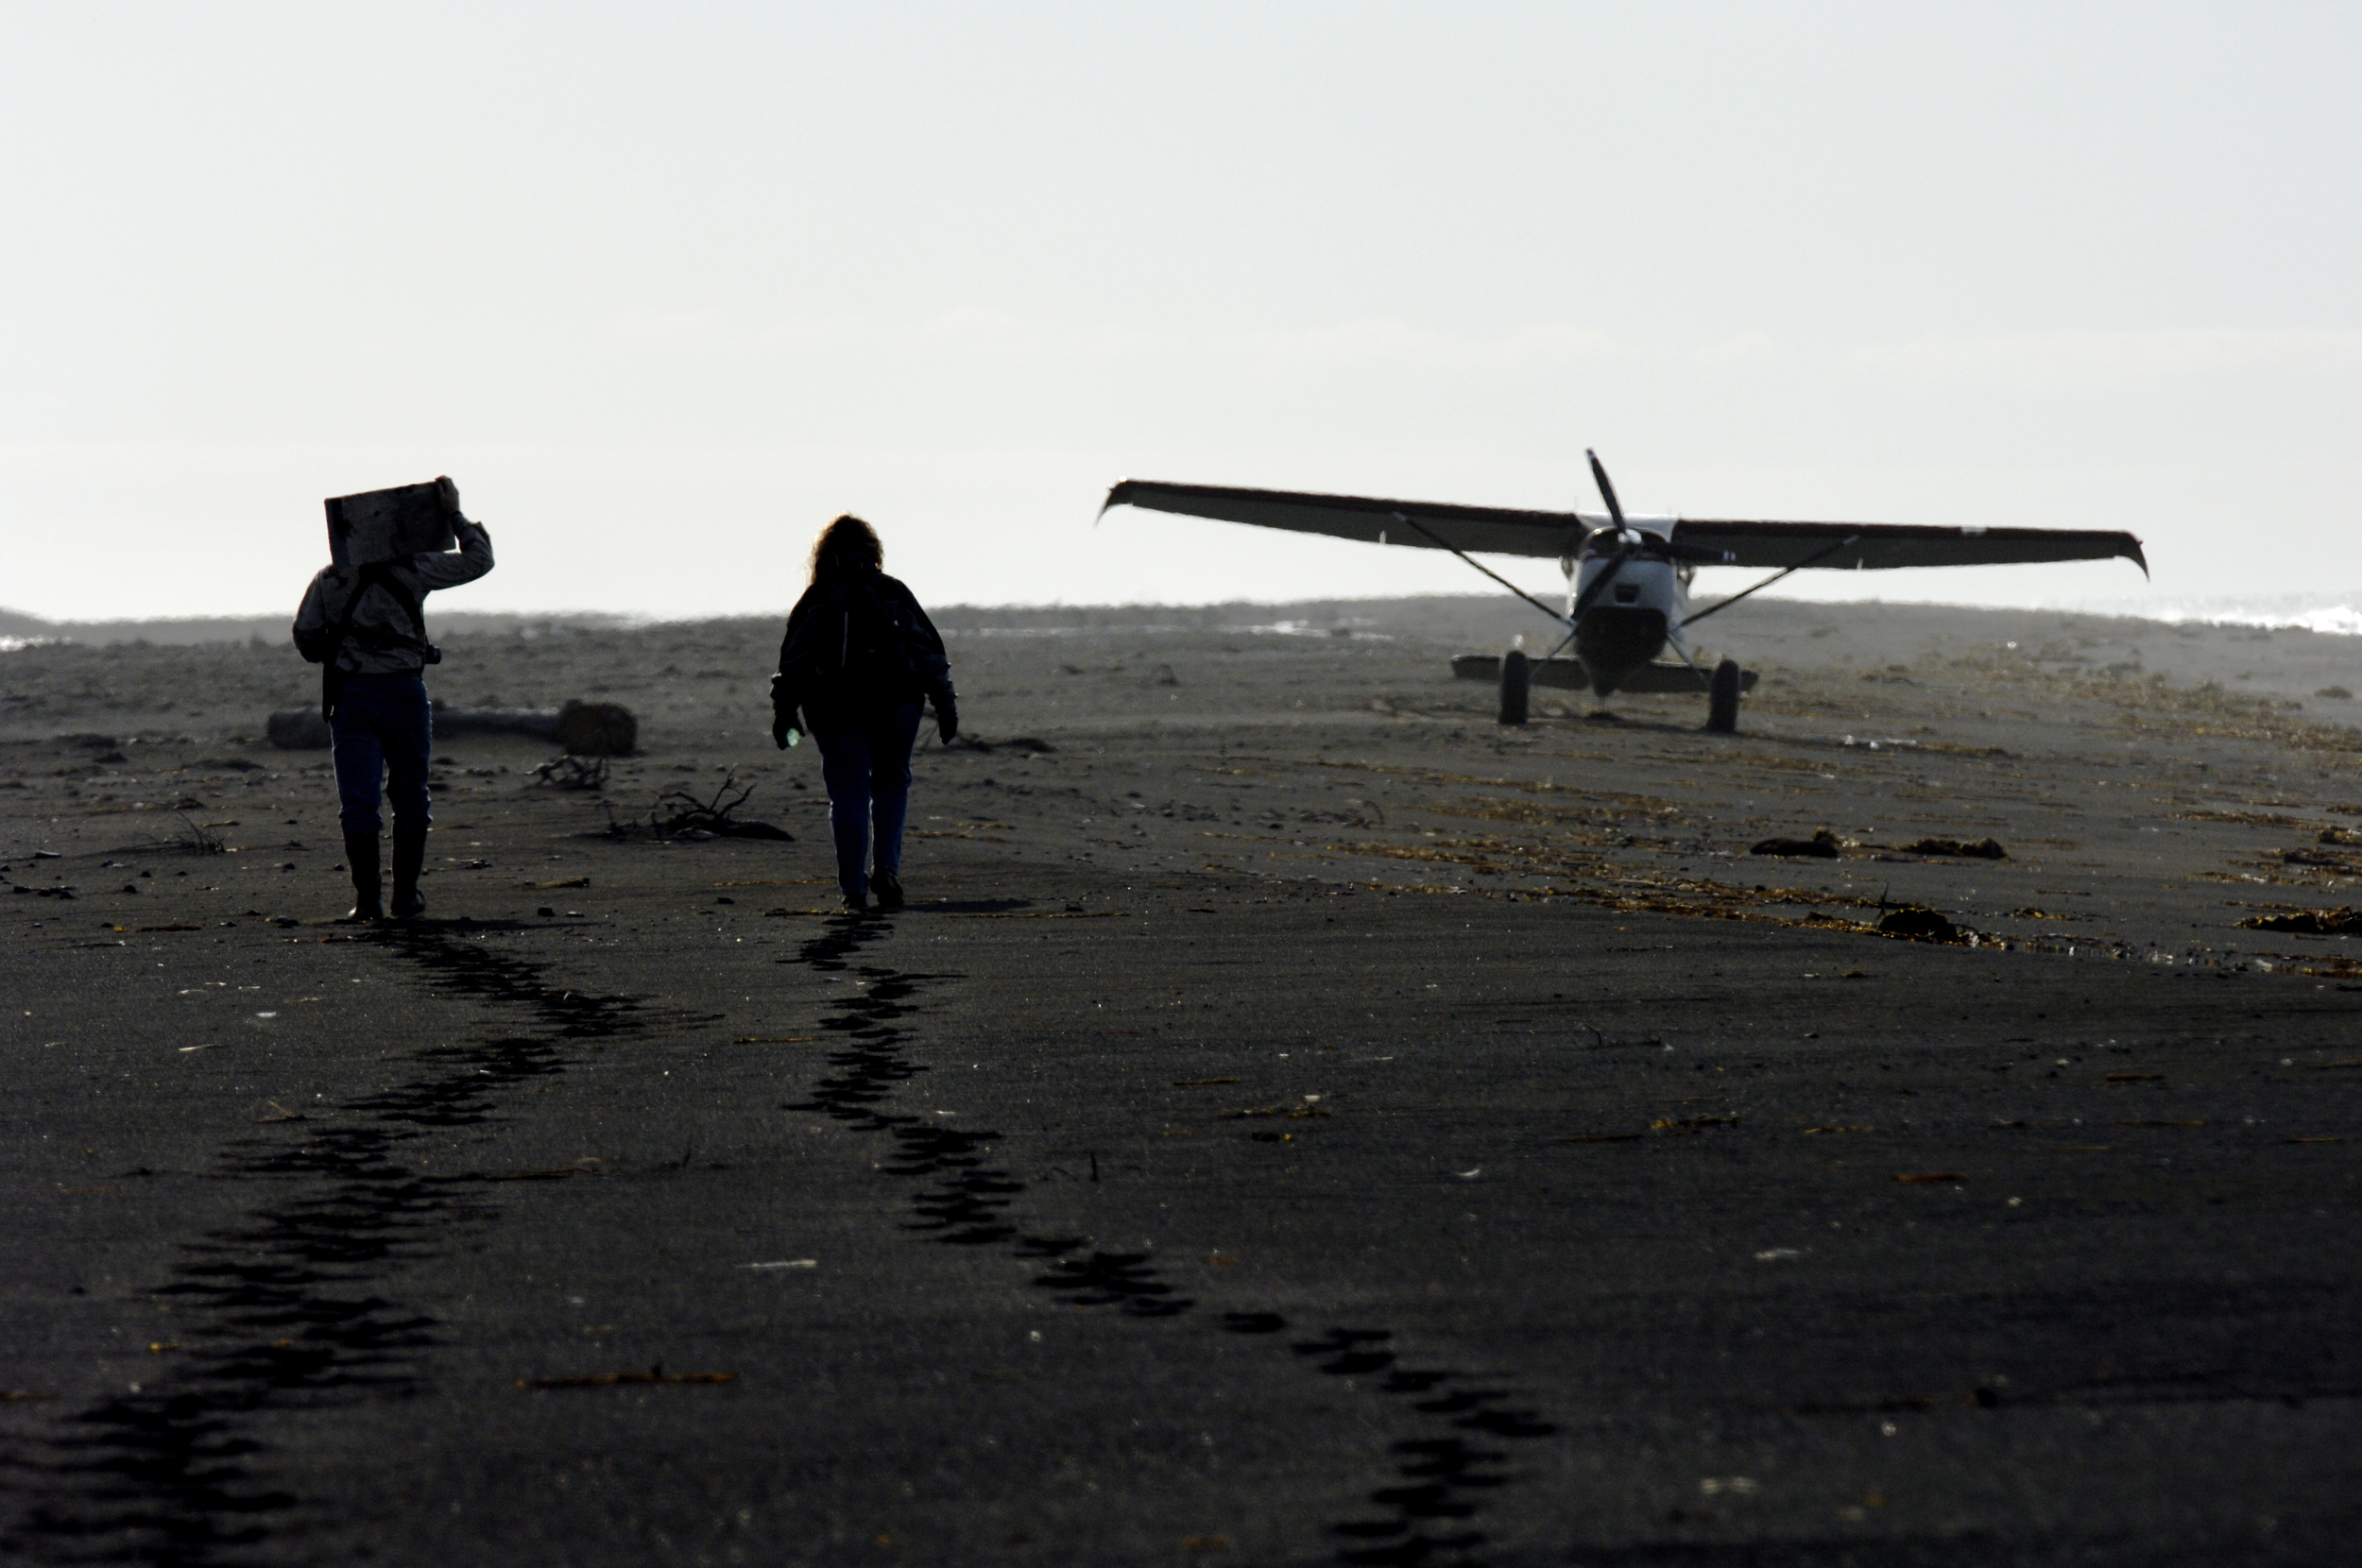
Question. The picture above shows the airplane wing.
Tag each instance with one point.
(1507, 531)
(1880, 545)
(1431, 525)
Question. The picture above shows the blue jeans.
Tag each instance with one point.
(867, 768)
(381, 726)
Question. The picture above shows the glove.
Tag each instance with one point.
(947, 715)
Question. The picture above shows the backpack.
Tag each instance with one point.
(322, 648)
(860, 644)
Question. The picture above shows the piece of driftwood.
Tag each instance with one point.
(2342, 921)
(597, 729)
(1974, 849)
(572, 773)
(583, 729)
(680, 814)
(299, 729)
(1918, 923)
(1822, 846)
(969, 740)
(539, 722)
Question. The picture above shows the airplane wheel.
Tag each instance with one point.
(1516, 686)
(1722, 699)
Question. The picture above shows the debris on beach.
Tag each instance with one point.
(597, 729)
(2322, 857)
(2343, 922)
(1690, 1125)
(1031, 745)
(572, 773)
(1917, 923)
(678, 815)
(1973, 849)
(1822, 846)
(584, 729)
(1304, 1111)
(298, 729)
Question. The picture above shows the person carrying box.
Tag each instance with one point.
(362, 621)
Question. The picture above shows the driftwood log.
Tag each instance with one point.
(581, 729)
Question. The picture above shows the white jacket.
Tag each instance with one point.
(383, 639)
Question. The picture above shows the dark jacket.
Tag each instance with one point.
(858, 646)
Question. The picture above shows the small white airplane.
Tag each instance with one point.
(1627, 577)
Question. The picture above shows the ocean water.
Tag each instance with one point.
(2336, 614)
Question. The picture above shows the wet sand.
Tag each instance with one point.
(1298, 1121)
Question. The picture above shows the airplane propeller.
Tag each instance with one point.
(1615, 510)
(1607, 491)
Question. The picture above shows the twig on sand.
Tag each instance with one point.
(679, 813)
(572, 773)
(196, 838)
(687, 813)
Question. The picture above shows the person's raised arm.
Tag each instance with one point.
(444, 569)
(448, 569)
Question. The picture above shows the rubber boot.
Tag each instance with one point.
(410, 854)
(361, 855)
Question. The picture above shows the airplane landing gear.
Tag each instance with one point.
(1516, 686)
(1722, 699)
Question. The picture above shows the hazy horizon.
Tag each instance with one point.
(665, 291)
(2338, 615)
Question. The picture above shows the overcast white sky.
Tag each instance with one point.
(665, 287)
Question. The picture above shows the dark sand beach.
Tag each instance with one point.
(1298, 1121)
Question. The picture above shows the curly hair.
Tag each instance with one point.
(845, 546)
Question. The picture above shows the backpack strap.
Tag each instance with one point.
(410, 602)
(378, 574)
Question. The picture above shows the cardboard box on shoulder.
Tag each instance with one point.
(385, 525)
